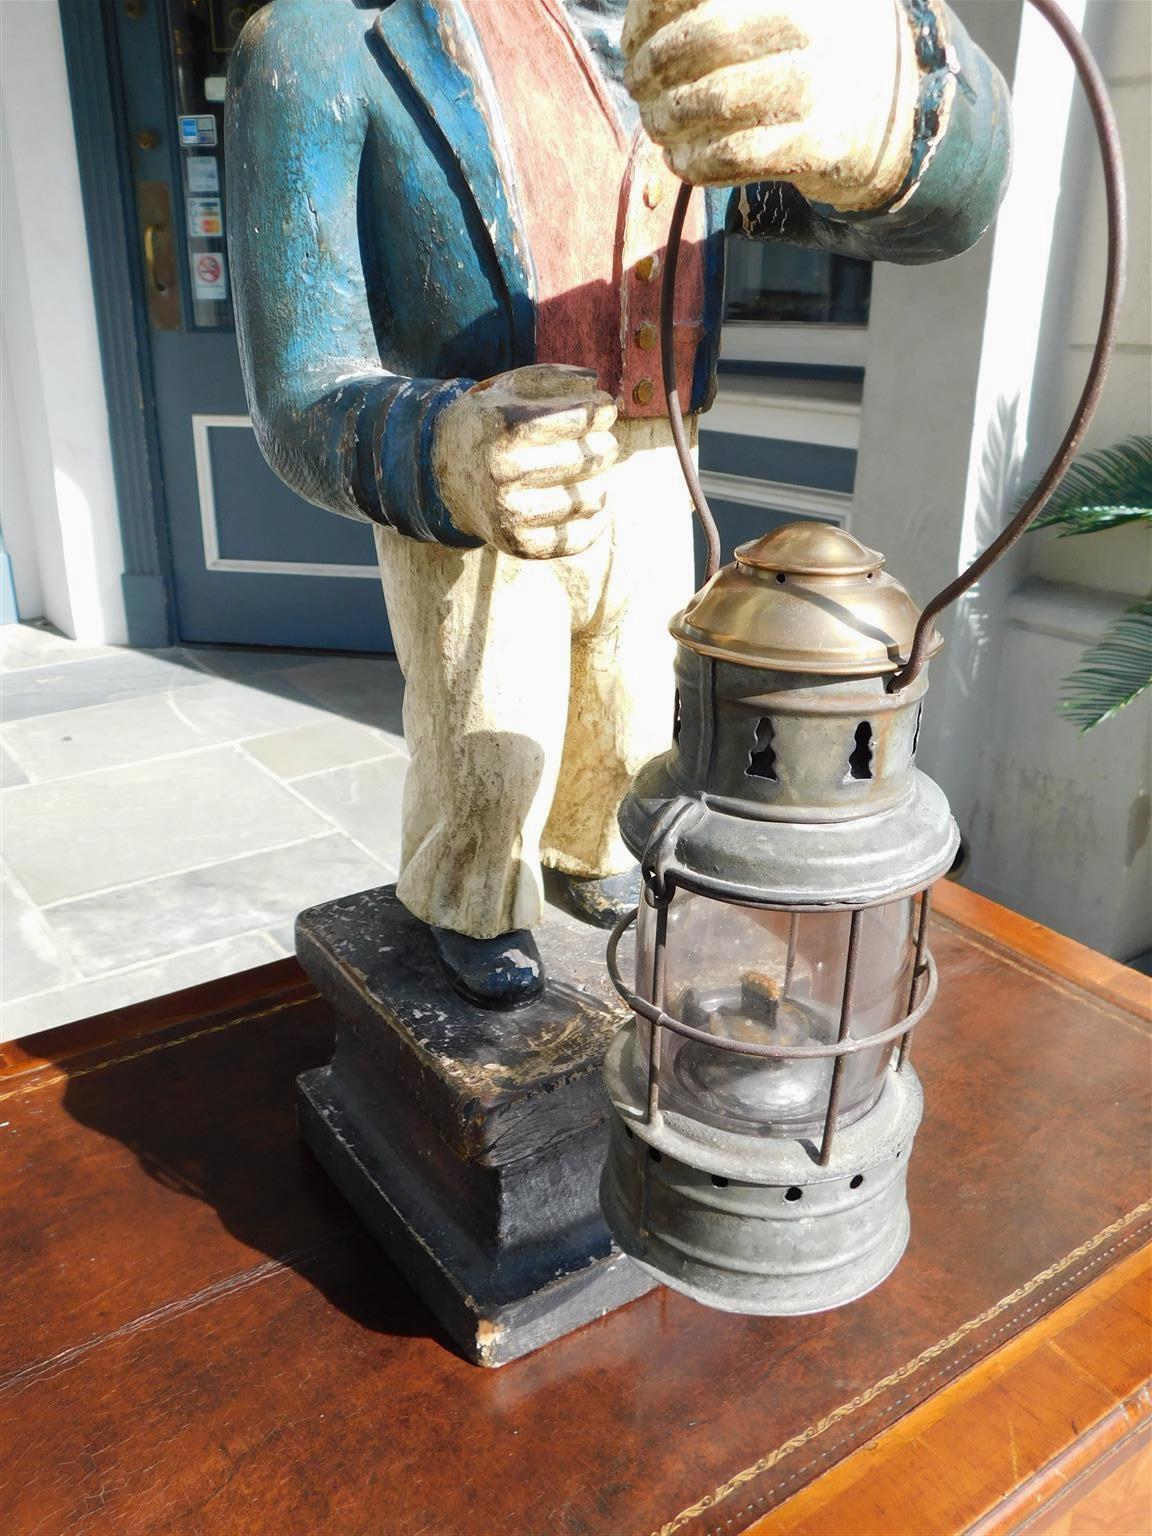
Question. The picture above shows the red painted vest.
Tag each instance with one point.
(595, 207)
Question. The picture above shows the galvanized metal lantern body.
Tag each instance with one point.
(765, 1105)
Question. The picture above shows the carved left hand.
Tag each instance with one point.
(820, 93)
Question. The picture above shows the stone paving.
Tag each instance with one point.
(165, 814)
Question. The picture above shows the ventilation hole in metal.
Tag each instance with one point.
(794, 1193)
(781, 578)
(762, 758)
(720, 1181)
(855, 1181)
(860, 762)
(916, 732)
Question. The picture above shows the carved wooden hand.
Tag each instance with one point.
(819, 93)
(520, 460)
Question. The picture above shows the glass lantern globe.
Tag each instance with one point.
(757, 975)
(764, 1102)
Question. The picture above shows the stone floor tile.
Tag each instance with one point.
(11, 772)
(155, 850)
(120, 825)
(233, 710)
(137, 985)
(250, 661)
(369, 689)
(363, 799)
(141, 923)
(36, 645)
(333, 743)
(41, 690)
(32, 960)
(72, 741)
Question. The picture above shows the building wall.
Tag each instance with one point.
(1060, 827)
(59, 512)
(972, 372)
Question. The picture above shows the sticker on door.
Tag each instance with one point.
(205, 217)
(203, 173)
(198, 132)
(209, 275)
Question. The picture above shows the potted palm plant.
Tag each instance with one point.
(1110, 488)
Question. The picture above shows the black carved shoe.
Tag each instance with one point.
(601, 902)
(504, 972)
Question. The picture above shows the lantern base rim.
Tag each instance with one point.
(750, 1304)
(756, 1225)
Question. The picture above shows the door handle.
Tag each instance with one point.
(150, 233)
(161, 274)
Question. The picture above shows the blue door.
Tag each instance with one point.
(252, 564)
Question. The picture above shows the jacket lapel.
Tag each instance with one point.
(435, 51)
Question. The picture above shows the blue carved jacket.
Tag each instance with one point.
(377, 266)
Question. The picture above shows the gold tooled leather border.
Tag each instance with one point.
(904, 1372)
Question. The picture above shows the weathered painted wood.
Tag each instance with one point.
(442, 192)
(470, 1142)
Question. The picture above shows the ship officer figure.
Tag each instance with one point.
(447, 225)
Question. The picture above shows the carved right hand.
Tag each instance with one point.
(821, 93)
(520, 460)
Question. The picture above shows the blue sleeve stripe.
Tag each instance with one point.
(400, 473)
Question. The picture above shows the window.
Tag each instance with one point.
(773, 284)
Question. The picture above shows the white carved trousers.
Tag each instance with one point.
(534, 690)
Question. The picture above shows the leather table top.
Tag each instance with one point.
(199, 1337)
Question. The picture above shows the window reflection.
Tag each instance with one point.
(770, 283)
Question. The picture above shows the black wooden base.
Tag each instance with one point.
(469, 1142)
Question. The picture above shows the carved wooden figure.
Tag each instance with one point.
(448, 218)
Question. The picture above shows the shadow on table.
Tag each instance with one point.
(208, 1113)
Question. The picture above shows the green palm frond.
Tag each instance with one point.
(1113, 671)
(1105, 489)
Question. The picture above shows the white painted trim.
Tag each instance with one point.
(748, 409)
(66, 550)
(202, 424)
(776, 496)
(839, 346)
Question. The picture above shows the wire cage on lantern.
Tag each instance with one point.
(765, 1105)
(776, 1014)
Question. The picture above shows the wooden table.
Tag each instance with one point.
(199, 1337)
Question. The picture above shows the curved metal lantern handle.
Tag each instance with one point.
(1109, 140)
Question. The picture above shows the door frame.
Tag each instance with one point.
(100, 128)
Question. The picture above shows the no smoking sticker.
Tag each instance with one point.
(209, 275)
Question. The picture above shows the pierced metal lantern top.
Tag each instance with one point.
(792, 779)
(806, 597)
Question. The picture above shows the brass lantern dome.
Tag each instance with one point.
(807, 597)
